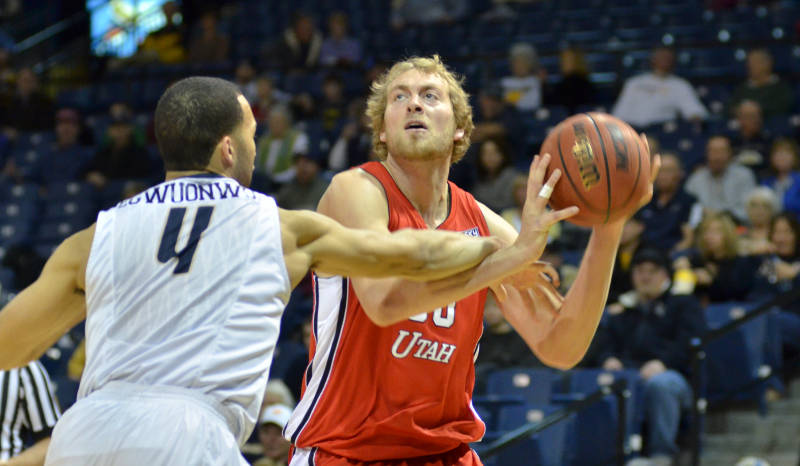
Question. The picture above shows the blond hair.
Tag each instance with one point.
(459, 99)
(730, 241)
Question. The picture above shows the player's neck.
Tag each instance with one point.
(424, 183)
(173, 174)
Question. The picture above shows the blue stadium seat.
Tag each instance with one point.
(80, 211)
(19, 210)
(545, 448)
(740, 357)
(13, 231)
(533, 385)
(57, 231)
(587, 381)
(6, 279)
(70, 190)
(22, 193)
(45, 250)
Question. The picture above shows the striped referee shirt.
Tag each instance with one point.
(28, 407)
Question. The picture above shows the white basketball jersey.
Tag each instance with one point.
(183, 289)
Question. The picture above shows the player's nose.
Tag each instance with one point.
(414, 104)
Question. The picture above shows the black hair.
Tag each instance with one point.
(191, 117)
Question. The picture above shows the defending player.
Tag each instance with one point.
(184, 288)
(391, 372)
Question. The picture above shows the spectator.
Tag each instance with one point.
(122, 156)
(28, 109)
(494, 118)
(495, 175)
(761, 205)
(778, 273)
(752, 142)
(783, 160)
(270, 428)
(500, 346)
(307, 187)
(244, 76)
(650, 331)
(574, 88)
(338, 49)
(333, 107)
(630, 243)
(523, 89)
(672, 214)
(299, 47)
(354, 145)
(165, 45)
(659, 95)
(277, 148)
(721, 185)
(30, 411)
(426, 12)
(209, 45)
(763, 86)
(7, 73)
(66, 159)
(721, 272)
(267, 96)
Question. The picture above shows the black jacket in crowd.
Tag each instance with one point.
(659, 330)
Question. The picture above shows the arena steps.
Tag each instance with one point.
(735, 433)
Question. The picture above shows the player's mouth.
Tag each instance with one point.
(416, 126)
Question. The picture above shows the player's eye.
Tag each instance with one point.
(431, 96)
(399, 97)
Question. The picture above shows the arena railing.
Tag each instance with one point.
(698, 347)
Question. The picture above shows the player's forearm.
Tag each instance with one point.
(568, 337)
(33, 456)
(389, 301)
(446, 254)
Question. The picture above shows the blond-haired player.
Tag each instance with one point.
(391, 373)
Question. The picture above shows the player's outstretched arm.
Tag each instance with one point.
(356, 199)
(314, 241)
(560, 329)
(37, 317)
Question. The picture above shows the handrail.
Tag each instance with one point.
(697, 347)
(618, 387)
(49, 32)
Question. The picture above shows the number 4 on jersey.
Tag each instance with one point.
(172, 230)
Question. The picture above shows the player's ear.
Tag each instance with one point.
(382, 136)
(227, 151)
(458, 135)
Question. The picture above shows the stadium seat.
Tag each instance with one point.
(545, 448)
(738, 359)
(57, 231)
(6, 279)
(80, 211)
(13, 231)
(19, 210)
(70, 190)
(532, 385)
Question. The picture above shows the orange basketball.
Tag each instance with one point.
(605, 167)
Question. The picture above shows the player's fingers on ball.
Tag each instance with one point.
(556, 216)
(655, 166)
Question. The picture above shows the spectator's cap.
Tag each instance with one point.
(652, 255)
(68, 115)
(524, 50)
(318, 148)
(275, 414)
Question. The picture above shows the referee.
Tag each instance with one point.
(28, 413)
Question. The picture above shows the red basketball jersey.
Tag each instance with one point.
(402, 391)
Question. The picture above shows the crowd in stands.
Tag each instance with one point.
(722, 225)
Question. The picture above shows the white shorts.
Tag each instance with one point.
(126, 424)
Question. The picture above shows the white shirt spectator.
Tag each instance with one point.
(724, 193)
(524, 93)
(648, 98)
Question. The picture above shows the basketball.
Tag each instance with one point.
(605, 167)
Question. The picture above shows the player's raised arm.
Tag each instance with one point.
(36, 318)
(326, 246)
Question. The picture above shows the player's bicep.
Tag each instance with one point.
(49, 307)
